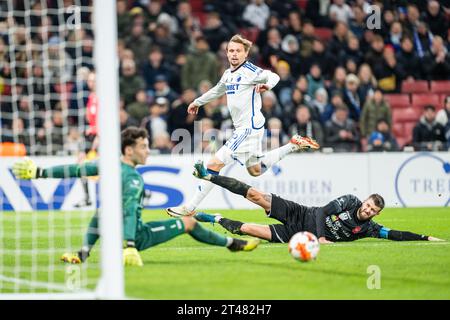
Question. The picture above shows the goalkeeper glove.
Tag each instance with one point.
(131, 257)
(26, 170)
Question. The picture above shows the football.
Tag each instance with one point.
(304, 246)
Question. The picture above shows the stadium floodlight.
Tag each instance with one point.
(43, 103)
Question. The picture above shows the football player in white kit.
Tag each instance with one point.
(243, 84)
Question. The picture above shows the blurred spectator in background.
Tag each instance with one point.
(290, 54)
(270, 107)
(161, 143)
(271, 48)
(155, 122)
(319, 104)
(126, 120)
(200, 65)
(178, 117)
(381, 138)
(340, 11)
(315, 80)
(423, 38)
(428, 134)
(408, 59)
(256, 14)
(130, 82)
(304, 126)
(338, 81)
(155, 66)
(437, 62)
(389, 73)
(367, 82)
(138, 109)
(275, 134)
(443, 116)
(435, 18)
(283, 89)
(162, 89)
(215, 31)
(351, 96)
(340, 132)
(375, 109)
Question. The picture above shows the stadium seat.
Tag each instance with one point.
(398, 101)
(440, 87)
(398, 129)
(251, 33)
(421, 100)
(196, 5)
(419, 86)
(302, 4)
(324, 34)
(405, 115)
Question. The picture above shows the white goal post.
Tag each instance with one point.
(110, 280)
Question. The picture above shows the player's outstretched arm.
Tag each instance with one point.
(396, 235)
(26, 169)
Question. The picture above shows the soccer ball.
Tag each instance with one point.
(304, 246)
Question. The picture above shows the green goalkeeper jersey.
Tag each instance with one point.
(132, 191)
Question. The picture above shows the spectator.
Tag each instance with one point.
(367, 82)
(138, 109)
(215, 32)
(338, 42)
(435, 18)
(423, 39)
(270, 107)
(154, 66)
(272, 48)
(283, 89)
(130, 82)
(126, 120)
(139, 43)
(305, 126)
(351, 96)
(443, 116)
(162, 89)
(389, 73)
(308, 36)
(395, 35)
(340, 12)
(352, 51)
(375, 108)
(357, 25)
(323, 58)
(178, 117)
(315, 80)
(161, 143)
(412, 17)
(256, 14)
(341, 132)
(165, 40)
(319, 104)
(123, 18)
(428, 134)
(200, 65)
(317, 11)
(436, 63)
(409, 60)
(155, 123)
(294, 21)
(381, 139)
(291, 54)
(274, 134)
(338, 81)
(336, 102)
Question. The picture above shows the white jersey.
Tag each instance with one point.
(242, 100)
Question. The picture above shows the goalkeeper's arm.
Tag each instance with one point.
(27, 169)
(397, 235)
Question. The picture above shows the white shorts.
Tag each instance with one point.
(245, 147)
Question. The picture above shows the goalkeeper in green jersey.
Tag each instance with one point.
(137, 235)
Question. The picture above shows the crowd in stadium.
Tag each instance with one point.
(354, 78)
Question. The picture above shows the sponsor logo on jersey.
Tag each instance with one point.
(356, 230)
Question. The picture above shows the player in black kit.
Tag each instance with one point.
(344, 219)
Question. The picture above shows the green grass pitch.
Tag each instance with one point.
(186, 269)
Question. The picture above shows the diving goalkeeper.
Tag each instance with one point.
(344, 219)
(137, 235)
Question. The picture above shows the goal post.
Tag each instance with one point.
(40, 82)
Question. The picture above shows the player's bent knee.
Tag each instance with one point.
(189, 223)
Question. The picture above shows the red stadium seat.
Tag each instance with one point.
(398, 129)
(405, 115)
(421, 100)
(302, 4)
(398, 101)
(419, 86)
(440, 87)
(250, 33)
(196, 5)
(324, 34)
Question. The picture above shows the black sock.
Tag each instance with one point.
(231, 184)
(231, 225)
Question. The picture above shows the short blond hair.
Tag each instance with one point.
(240, 39)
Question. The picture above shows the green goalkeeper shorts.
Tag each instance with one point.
(156, 232)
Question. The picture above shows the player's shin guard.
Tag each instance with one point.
(207, 236)
(202, 191)
(274, 156)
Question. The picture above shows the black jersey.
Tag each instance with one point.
(338, 221)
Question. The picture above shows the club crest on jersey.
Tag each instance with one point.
(356, 230)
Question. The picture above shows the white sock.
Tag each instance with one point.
(201, 192)
(229, 241)
(272, 157)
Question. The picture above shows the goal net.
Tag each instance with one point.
(51, 86)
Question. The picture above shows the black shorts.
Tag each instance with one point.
(290, 214)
